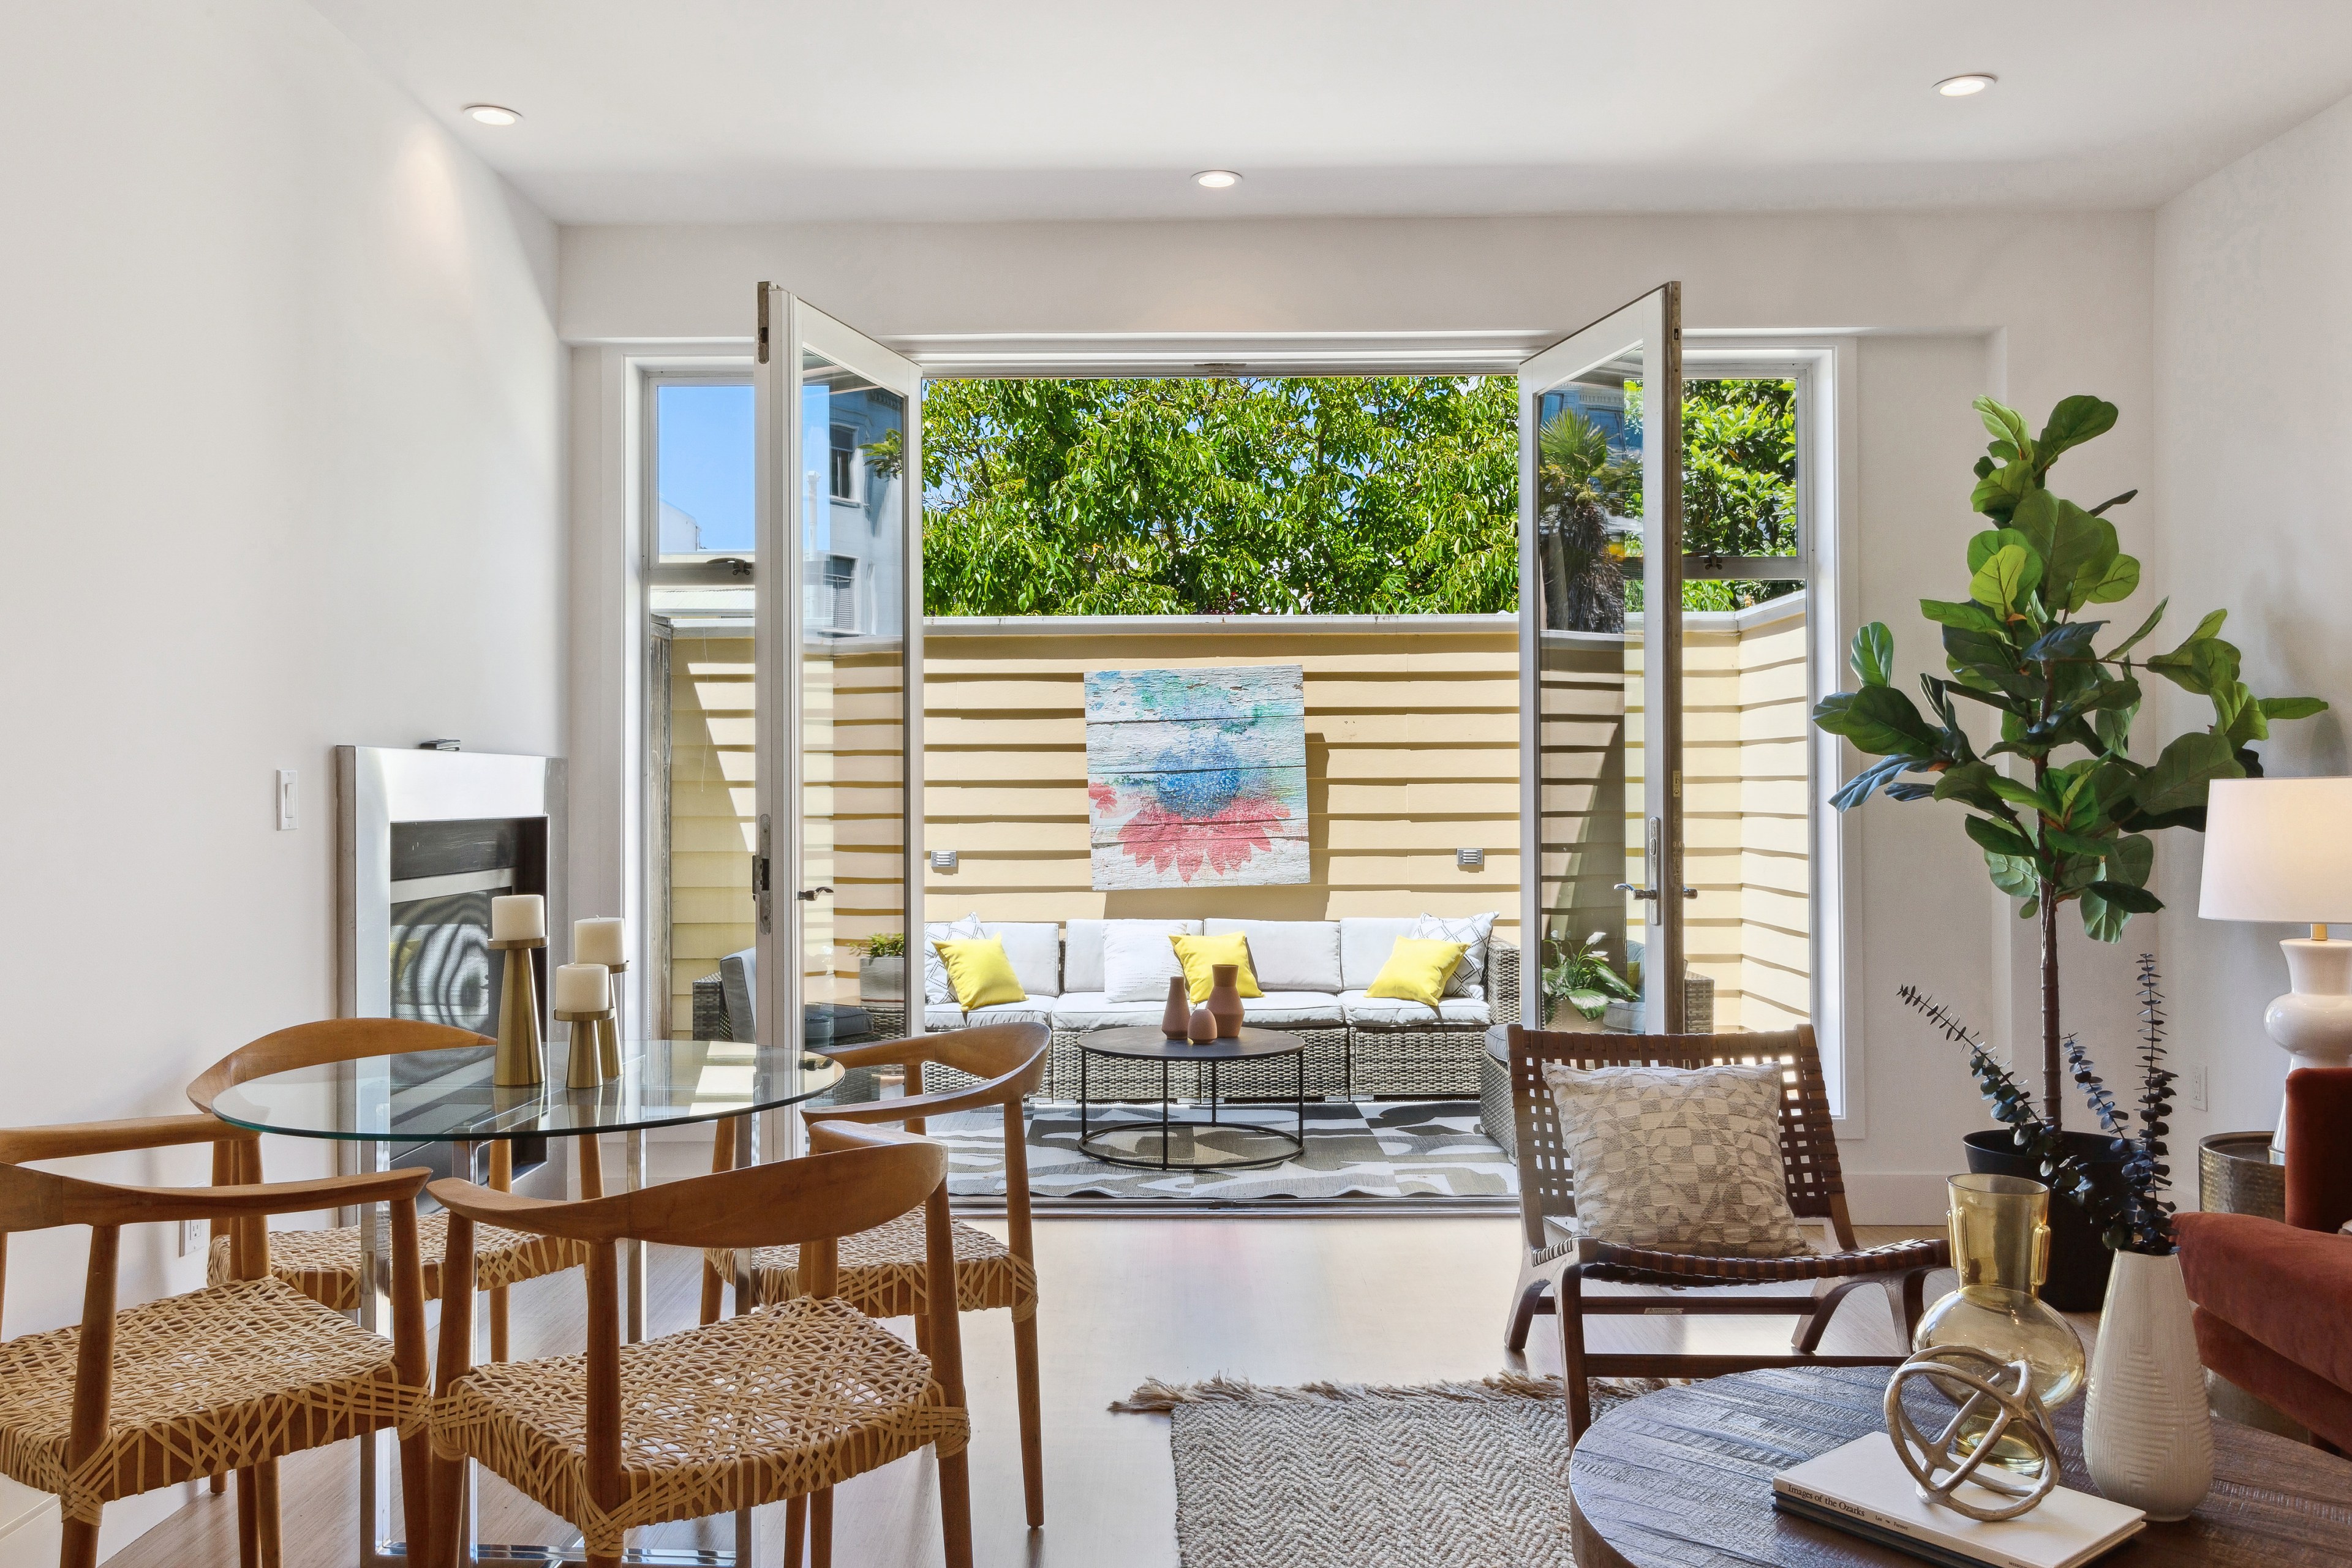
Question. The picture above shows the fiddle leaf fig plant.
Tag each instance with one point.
(2069, 820)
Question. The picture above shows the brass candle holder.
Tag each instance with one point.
(519, 1060)
(609, 1030)
(589, 1035)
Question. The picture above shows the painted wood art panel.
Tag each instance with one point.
(1197, 778)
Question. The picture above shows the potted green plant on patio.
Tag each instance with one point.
(2060, 808)
(882, 968)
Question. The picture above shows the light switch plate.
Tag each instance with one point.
(2196, 1076)
(289, 798)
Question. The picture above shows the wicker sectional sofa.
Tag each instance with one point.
(1314, 974)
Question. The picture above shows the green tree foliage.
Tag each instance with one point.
(1330, 494)
(1228, 496)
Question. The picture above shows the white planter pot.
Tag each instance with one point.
(881, 979)
(2147, 1438)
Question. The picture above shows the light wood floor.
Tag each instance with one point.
(1402, 1299)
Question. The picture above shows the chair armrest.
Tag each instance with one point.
(64, 1140)
(36, 1200)
(900, 1108)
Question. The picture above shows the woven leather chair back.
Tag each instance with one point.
(1808, 1146)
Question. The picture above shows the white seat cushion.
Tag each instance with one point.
(1365, 945)
(1082, 961)
(943, 1015)
(1294, 1010)
(1289, 955)
(1036, 1010)
(1084, 1010)
(1388, 1012)
(1035, 949)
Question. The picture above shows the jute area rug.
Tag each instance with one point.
(1446, 1474)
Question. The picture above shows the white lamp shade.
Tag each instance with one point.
(2279, 850)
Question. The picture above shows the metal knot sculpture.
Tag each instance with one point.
(1996, 1403)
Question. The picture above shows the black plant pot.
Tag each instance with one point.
(2079, 1258)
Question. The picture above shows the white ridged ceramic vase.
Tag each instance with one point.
(2147, 1438)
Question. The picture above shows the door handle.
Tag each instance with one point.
(1637, 892)
(808, 895)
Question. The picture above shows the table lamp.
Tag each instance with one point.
(2280, 851)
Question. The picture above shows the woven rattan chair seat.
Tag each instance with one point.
(213, 1380)
(324, 1265)
(883, 1273)
(774, 1404)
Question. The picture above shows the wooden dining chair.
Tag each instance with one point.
(885, 1272)
(778, 1404)
(324, 1265)
(232, 1377)
(1559, 1260)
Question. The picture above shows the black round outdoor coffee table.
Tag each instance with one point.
(1146, 1044)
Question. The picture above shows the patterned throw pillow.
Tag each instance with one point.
(1469, 978)
(939, 991)
(1678, 1159)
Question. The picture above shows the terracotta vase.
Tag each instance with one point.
(1200, 1028)
(1225, 1000)
(1177, 1015)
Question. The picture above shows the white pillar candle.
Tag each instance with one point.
(517, 917)
(601, 940)
(582, 988)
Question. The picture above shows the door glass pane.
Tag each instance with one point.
(1588, 548)
(853, 692)
(702, 812)
(1748, 935)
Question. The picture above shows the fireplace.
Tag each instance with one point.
(425, 839)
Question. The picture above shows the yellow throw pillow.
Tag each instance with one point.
(1196, 953)
(1417, 969)
(982, 976)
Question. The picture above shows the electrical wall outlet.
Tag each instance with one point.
(2196, 1077)
(192, 1238)
(289, 797)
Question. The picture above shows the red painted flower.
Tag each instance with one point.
(1222, 843)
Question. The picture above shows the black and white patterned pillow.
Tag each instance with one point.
(1678, 1159)
(939, 991)
(1472, 931)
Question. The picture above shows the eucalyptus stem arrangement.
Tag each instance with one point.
(2135, 1215)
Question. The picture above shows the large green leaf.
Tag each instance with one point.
(1970, 783)
(2120, 581)
(1997, 493)
(2012, 873)
(1872, 654)
(2102, 920)
(2205, 664)
(2076, 420)
(2076, 549)
(2068, 640)
(2004, 423)
(2124, 895)
(1999, 838)
(2005, 578)
(1879, 719)
(2178, 780)
(1986, 661)
(2292, 707)
(1968, 617)
(1983, 545)
(2146, 627)
(2130, 859)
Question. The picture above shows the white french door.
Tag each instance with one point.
(1601, 589)
(838, 671)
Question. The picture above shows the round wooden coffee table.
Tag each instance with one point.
(1146, 1044)
(1683, 1478)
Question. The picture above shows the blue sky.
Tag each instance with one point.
(705, 461)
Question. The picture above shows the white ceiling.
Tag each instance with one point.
(731, 111)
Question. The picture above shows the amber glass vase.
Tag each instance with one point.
(2000, 1246)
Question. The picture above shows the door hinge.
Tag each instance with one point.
(764, 323)
(762, 880)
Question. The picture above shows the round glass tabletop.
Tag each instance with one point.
(423, 1097)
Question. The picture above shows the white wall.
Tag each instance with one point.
(2253, 331)
(2031, 308)
(279, 449)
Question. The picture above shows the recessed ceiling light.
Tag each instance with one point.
(1216, 179)
(1966, 85)
(492, 113)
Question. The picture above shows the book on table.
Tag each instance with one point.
(1863, 1487)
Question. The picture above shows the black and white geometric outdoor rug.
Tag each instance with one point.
(1355, 1149)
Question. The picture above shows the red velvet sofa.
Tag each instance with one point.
(2274, 1301)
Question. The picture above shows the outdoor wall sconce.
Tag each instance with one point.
(1470, 859)
(943, 859)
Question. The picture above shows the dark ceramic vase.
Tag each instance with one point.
(2079, 1258)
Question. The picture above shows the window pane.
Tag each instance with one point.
(703, 469)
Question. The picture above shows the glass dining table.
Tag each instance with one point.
(375, 1104)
